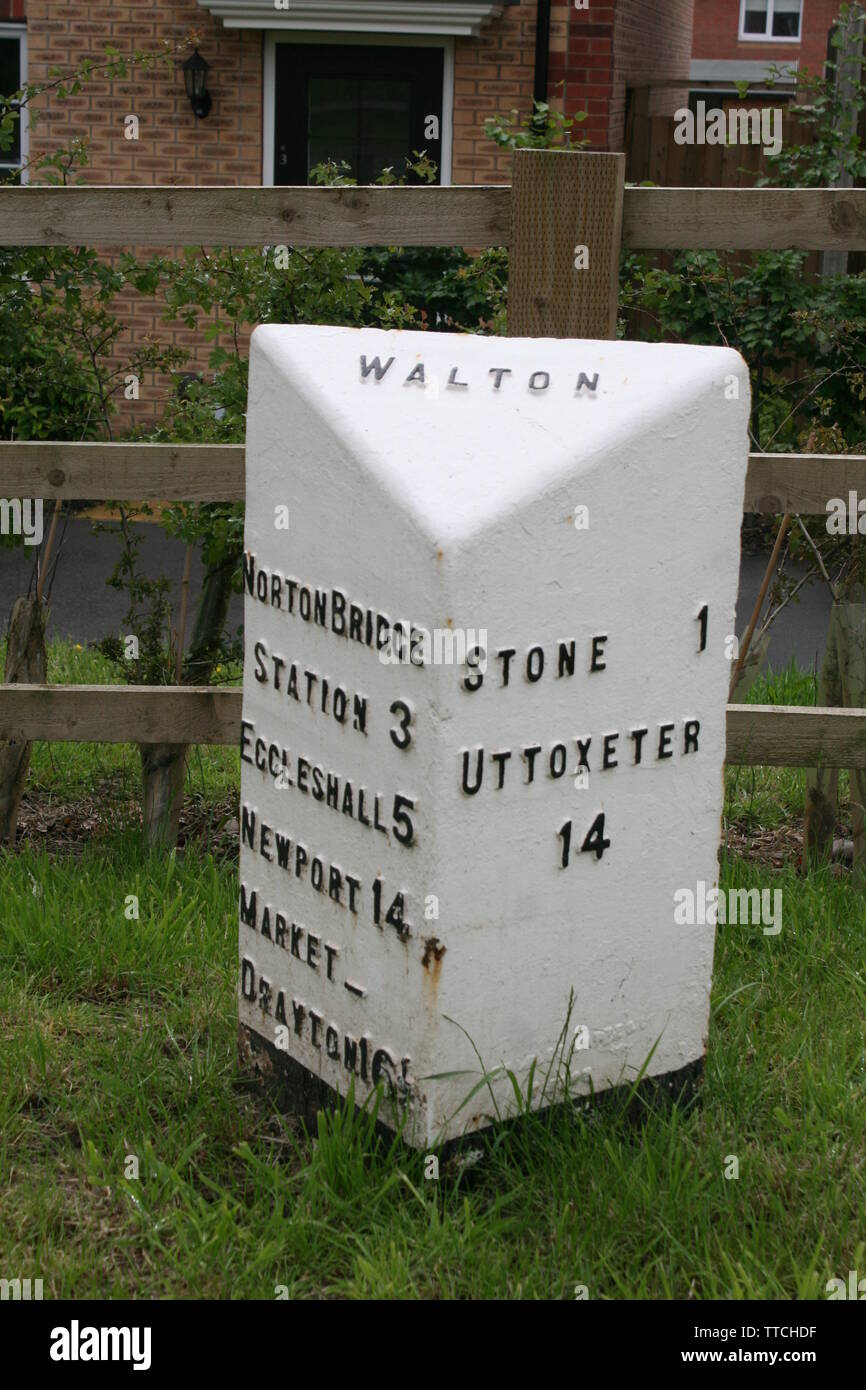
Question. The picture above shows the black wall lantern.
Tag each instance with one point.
(195, 71)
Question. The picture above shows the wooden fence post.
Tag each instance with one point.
(566, 230)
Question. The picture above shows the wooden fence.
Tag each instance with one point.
(557, 199)
(654, 155)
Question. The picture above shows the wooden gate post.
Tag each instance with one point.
(566, 232)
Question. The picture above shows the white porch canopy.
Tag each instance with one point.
(462, 17)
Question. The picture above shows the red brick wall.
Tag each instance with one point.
(610, 47)
(717, 26)
(173, 146)
(652, 43)
(493, 74)
(584, 66)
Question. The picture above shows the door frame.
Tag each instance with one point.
(17, 29)
(344, 40)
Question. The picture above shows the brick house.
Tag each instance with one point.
(292, 82)
(737, 40)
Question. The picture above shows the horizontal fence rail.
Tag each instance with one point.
(744, 219)
(739, 219)
(252, 216)
(775, 483)
(123, 472)
(796, 736)
(120, 713)
(774, 735)
(802, 483)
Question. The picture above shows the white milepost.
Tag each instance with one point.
(484, 707)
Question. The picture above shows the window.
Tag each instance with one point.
(367, 105)
(12, 78)
(771, 19)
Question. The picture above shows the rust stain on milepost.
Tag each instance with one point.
(434, 952)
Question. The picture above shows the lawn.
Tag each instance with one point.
(119, 1053)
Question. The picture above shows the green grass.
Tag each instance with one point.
(119, 1039)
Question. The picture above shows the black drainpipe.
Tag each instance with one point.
(542, 50)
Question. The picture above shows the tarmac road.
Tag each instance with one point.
(84, 607)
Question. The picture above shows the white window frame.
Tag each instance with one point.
(273, 37)
(770, 37)
(11, 30)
